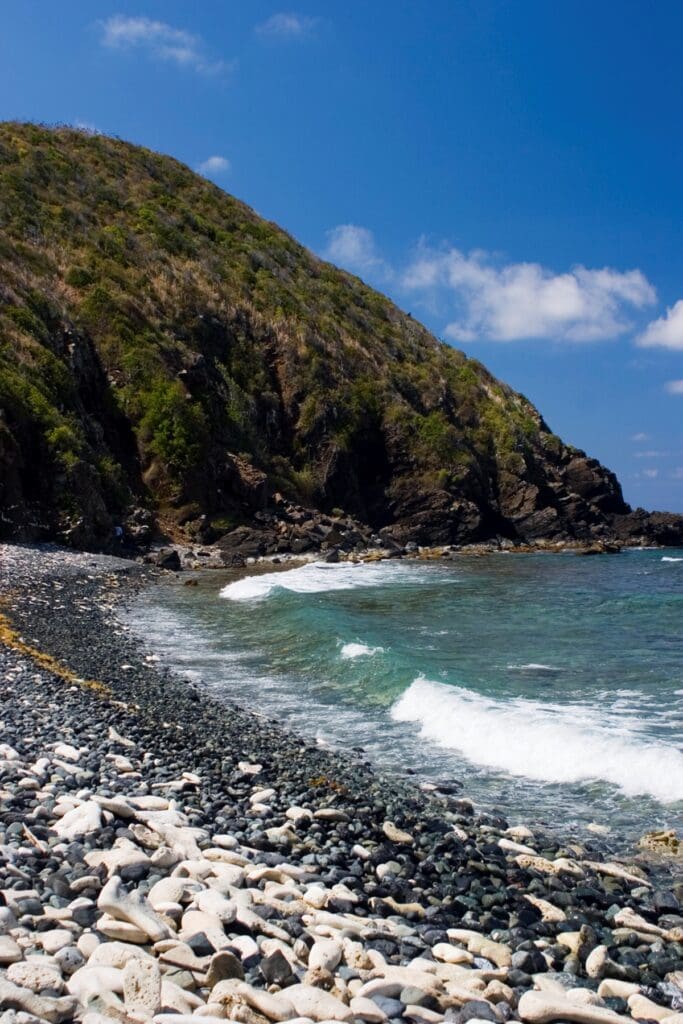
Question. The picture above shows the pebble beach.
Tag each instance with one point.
(168, 857)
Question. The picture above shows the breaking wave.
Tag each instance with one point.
(318, 578)
(544, 742)
(359, 651)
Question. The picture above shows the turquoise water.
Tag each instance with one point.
(550, 685)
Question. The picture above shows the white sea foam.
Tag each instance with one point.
(668, 558)
(535, 668)
(192, 675)
(545, 742)
(359, 651)
(317, 577)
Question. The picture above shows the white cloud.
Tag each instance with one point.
(674, 387)
(677, 473)
(650, 455)
(287, 25)
(651, 474)
(525, 300)
(162, 41)
(353, 247)
(640, 437)
(87, 127)
(667, 331)
(214, 165)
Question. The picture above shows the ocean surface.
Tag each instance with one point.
(551, 686)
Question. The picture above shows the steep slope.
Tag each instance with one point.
(166, 353)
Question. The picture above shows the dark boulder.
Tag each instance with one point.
(167, 558)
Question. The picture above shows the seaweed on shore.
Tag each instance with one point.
(9, 637)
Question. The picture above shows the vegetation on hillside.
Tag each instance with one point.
(152, 328)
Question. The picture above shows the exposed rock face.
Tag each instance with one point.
(649, 527)
(168, 357)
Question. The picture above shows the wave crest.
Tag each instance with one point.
(317, 578)
(545, 742)
(355, 650)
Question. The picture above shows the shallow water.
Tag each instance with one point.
(550, 685)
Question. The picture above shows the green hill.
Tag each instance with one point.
(163, 348)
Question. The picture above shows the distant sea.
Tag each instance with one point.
(550, 686)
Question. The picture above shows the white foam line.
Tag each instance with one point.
(545, 742)
(536, 668)
(355, 650)
(319, 577)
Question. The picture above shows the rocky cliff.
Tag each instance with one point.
(171, 361)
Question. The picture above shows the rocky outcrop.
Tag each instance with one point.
(288, 528)
(641, 527)
(170, 361)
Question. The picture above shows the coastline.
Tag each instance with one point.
(178, 556)
(534, 739)
(411, 864)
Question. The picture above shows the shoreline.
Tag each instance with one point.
(181, 622)
(178, 557)
(411, 865)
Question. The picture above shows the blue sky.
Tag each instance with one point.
(510, 172)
